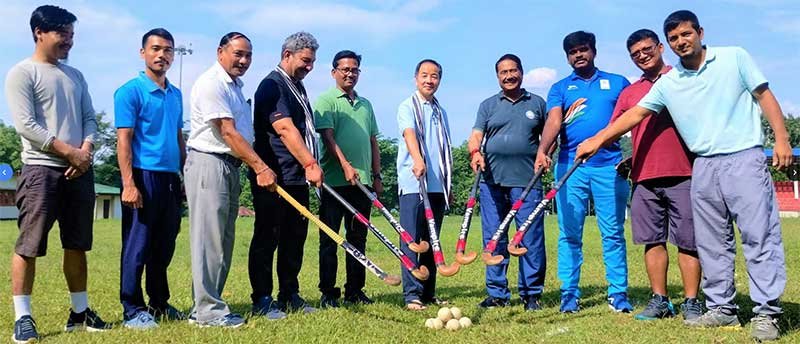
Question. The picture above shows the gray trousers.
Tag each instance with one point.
(212, 192)
(738, 188)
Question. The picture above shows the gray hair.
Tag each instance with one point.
(299, 41)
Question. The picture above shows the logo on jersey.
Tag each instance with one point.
(572, 87)
(529, 114)
(575, 111)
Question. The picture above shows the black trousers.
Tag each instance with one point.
(332, 212)
(278, 226)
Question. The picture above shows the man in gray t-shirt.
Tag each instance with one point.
(52, 112)
(511, 123)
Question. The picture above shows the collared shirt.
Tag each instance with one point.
(406, 182)
(216, 95)
(601, 92)
(658, 151)
(274, 101)
(713, 107)
(353, 125)
(156, 116)
(512, 130)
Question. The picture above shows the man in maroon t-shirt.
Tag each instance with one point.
(661, 172)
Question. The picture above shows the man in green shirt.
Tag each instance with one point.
(347, 125)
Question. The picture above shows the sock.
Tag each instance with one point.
(22, 306)
(80, 301)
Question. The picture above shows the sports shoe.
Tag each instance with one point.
(141, 321)
(167, 313)
(230, 320)
(25, 330)
(691, 308)
(659, 307)
(88, 320)
(570, 303)
(715, 317)
(618, 302)
(764, 327)
(531, 303)
(492, 302)
(358, 298)
(328, 301)
(268, 308)
(296, 304)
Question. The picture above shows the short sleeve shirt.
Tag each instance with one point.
(216, 95)
(156, 117)
(353, 123)
(713, 107)
(511, 130)
(406, 182)
(601, 92)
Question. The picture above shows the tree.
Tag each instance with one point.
(10, 147)
(106, 167)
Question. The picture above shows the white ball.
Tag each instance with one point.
(429, 323)
(456, 312)
(453, 325)
(465, 322)
(444, 314)
(437, 324)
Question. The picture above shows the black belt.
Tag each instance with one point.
(223, 156)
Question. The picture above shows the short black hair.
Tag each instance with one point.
(160, 32)
(345, 54)
(640, 35)
(511, 57)
(579, 38)
(678, 17)
(50, 18)
(231, 36)
(416, 70)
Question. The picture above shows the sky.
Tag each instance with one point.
(466, 37)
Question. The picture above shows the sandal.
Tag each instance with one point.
(437, 301)
(416, 305)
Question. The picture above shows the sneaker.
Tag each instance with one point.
(764, 327)
(141, 321)
(230, 320)
(167, 313)
(570, 303)
(25, 330)
(618, 302)
(715, 317)
(358, 298)
(659, 307)
(328, 301)
(88, 320)
(268, 308)
(296, 304)
(492, 302)
(691, 308)
(531, 303)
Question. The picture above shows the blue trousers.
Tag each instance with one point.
(496, 202)
(609, 193)
(148, 240)
(412, 218)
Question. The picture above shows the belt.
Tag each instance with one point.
(222, 156)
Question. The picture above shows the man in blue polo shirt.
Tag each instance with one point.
(730, 181)
(596, 92)
(511, 122)
(148, 113)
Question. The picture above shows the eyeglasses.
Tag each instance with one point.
(345, 71)
(646, 50)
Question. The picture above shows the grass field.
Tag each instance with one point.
(386, 321)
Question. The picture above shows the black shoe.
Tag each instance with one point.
(25, 330)
(267, 307)
(88, 320)
(166, 313)
(328, 301)
(491, 302)
(296, 304)
(531, 303)
(358, 298)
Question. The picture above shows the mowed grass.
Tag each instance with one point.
(386, 321)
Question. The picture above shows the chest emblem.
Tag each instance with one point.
(529, 114)
(604, 84)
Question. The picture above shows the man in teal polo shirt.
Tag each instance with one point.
(350, 152)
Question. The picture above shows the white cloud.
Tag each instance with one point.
(790, 108)
(539, 78)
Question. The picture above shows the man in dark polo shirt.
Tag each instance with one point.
(282, 122)
(511, 121)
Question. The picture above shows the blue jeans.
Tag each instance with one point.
(496, 201)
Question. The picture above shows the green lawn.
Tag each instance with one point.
(386, 321)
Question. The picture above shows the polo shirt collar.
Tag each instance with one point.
(340, 93)
(424, 101)
(151, 85)
(525, 95)
(664, 70)
(575, 76)
(711, 55)
(224, 76)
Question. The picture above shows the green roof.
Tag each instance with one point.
(101, 189)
